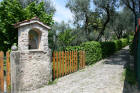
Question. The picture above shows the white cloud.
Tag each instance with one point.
(62, 13)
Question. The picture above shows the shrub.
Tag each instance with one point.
(118, 44)
(124, 42)
(131, 48)
(108, 48)
(131, 38)
(130, 76)
(131, 45)
(93, 52)
(70, 48)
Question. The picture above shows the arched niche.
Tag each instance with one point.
(34, 39)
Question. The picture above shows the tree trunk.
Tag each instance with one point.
(135, 44)
(104, 25)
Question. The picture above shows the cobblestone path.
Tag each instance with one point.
(102, 77)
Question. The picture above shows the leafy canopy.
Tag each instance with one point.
(11, 13)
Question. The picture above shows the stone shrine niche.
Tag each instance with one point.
(32, 35)
(31, 65)
(34, 39)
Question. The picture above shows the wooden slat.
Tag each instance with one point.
(60, 64)
(70, 61)
(67, 62)
(1, 73)
(76, 61)
(84, 57)
(57, 64)
(63, 63)
(53, 65)
(8, 78)
(80, 60)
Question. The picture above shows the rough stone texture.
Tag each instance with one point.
(103, 77)
(23, 37)
(30, 70)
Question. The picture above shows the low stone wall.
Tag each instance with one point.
(30, 70)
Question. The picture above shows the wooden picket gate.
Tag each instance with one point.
(5, 65)
(67, 62)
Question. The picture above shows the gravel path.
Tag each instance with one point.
(102, 77)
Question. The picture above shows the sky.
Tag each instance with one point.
(62, 13)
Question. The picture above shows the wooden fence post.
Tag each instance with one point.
(8, 78)
(70, 61)
(63, 63)
(60, 64)
(76, 61)
(57, 64)
(54, 65)
(81, 60)
(1, 73)
(84, 58)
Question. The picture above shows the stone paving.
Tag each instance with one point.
(102, 77)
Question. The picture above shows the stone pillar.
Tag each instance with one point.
(30, 70)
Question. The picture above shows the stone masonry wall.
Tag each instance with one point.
(23, 37)
(32, 71)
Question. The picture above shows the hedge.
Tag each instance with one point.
(93, 52)
(108, 48)
(96, 51)
(131, 46)
(70, 48)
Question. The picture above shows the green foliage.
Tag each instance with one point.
(131, 45)
(53, 82)
(130, 76)
(66, 38)
(93, 52)
(131, 48)
(124, 42)
(131, 38)
(11, 13)
(38, 10)
(70, 48)
(108, 48)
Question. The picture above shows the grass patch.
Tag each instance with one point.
(53, 82)
(129, 76)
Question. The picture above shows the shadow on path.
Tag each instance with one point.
(123, 59)
(120, 59)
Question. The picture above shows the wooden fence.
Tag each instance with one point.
(5, 65)
(67, 62)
